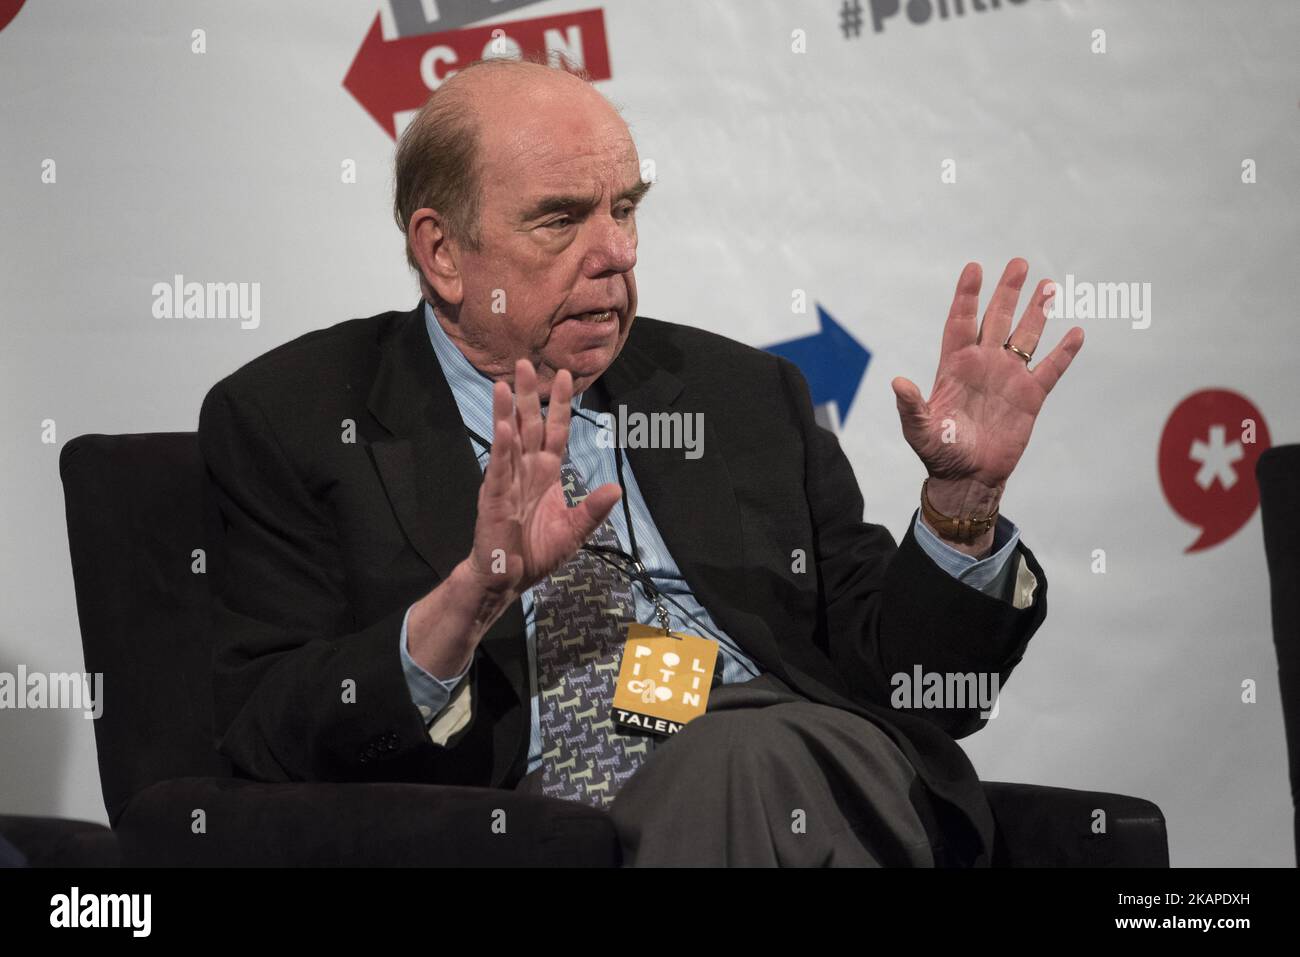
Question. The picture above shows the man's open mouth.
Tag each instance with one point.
(606, 315)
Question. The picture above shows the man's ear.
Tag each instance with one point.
(437, 255)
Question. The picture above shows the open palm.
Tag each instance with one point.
(525, 529)
(981, 411)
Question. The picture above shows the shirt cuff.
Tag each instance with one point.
(985, 574)
(429, 693)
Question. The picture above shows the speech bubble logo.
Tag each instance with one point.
(8, 10)
(1207, 462)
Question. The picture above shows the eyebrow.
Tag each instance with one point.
(568, 203)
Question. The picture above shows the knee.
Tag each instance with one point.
(753, 738)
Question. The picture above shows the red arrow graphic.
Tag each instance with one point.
(386, 75)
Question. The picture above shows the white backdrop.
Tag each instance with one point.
(777, 170)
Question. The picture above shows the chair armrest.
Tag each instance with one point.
(59, 842)
(253, 824)
(1041, 826)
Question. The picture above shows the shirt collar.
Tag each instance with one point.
(471, 388)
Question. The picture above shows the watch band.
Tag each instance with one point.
(962, 530)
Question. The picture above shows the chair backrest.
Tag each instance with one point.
(1278, 474)
(135, 522)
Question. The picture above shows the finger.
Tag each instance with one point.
(558, 412)
(1030, 328)
(499, 474)
(1049, 371)
(503, 408)
(912, 408)
(528, 408)
(1002, 306)
(961, 328)
(516, 456)
(503, 411)
(594, 509)
(500, 468)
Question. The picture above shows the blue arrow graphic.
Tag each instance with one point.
(831, 360)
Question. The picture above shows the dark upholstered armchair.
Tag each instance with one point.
(1278, 473)
(135, 517)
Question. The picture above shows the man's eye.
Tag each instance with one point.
(558, 223)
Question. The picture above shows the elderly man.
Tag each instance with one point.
(433, 551)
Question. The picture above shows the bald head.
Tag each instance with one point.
(500, 78)
(516, 186)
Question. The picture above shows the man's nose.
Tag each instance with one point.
(613, 246)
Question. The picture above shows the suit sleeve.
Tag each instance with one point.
(890, 608)
(988, 574)
(301, 689)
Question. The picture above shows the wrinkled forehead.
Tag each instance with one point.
(554, 142)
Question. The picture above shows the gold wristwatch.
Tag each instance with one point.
(963, 530)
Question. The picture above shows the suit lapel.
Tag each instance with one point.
(427, 466)
(431, 474)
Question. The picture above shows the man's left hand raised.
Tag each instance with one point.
(973, 429)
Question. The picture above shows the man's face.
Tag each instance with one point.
(553, 279)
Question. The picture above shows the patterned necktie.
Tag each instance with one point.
(581, 614)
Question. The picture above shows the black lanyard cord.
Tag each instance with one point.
(627, 509)
(643, 579)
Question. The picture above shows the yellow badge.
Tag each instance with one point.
(664, 681)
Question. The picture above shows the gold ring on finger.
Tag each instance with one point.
(1020, 352)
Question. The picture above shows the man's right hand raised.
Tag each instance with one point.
(525, 529)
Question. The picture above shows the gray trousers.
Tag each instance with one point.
(768, 778)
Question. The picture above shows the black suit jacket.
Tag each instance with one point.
(343, 487)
